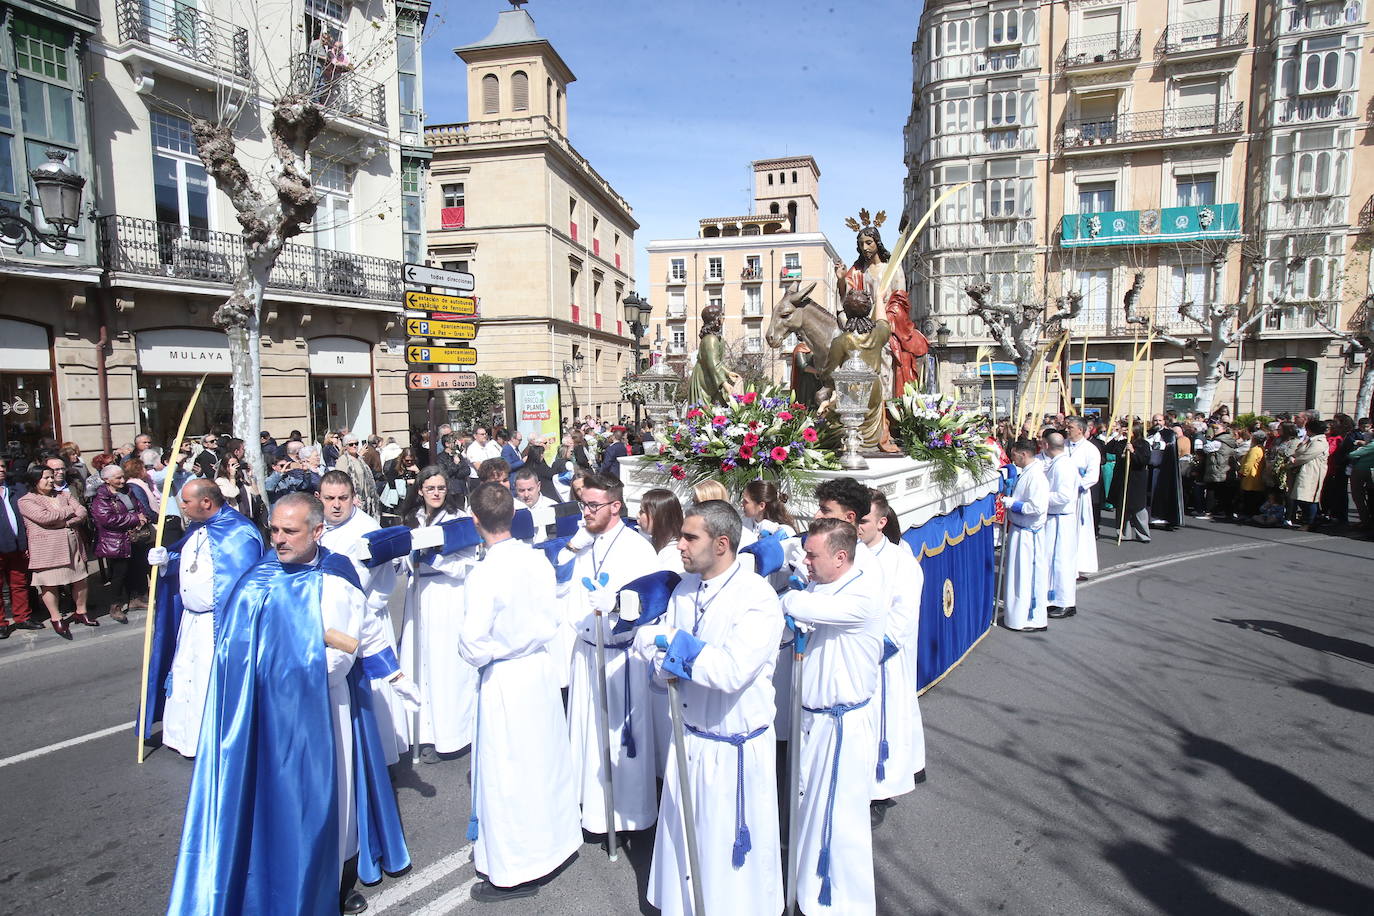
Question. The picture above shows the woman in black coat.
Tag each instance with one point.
(1132, 512)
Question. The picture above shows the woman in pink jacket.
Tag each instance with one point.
(57, 551)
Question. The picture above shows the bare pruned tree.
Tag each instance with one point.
(1018, 328)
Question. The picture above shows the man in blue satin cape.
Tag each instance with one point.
(199, 572)
(290, 800)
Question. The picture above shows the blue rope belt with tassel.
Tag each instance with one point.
(828, 827)
(742, 842)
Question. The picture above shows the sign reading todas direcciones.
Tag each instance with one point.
(431, 381)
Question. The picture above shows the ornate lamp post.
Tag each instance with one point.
(853, 386)
(636, 312)
(59, 196)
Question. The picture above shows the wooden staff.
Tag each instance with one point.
(152, 575)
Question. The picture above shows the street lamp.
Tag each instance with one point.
(636, 312)
(59, 196)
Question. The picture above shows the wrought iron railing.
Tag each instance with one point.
(1146, 126)
(1201, 35)
(186, 31)
(337, 91)
(1100, 49)
(155, 249)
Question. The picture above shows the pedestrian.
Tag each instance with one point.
(1309, 461)
(14, 559)
(120, 523)
(604, 546)
(722, 630)
(54, 521)
(448, 685)
(199, 572)
(839, 751)
(1061, 527)
(1129, 483)
(524, 804)
(281, 754)
(351, 463)
(1025, 584)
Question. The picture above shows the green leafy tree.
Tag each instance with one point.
(475, 405)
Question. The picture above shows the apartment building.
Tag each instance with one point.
(1207, 145)
(549, 240)
(742, 264)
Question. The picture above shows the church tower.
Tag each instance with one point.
(513, 73)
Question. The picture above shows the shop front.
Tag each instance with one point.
(170, 363)
(341, 386)
(28, 411)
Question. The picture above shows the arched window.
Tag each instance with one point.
(491, 94)
(520, 90)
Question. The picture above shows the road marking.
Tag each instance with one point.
(450, 902)
(418, 881)
(24, 655)
(1126, 569)
(63, 745)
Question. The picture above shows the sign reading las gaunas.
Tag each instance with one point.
(451, 356)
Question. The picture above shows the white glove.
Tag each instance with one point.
(157, 556)
(581, 540)
(426, 537)
(629, 605)
(405, 689)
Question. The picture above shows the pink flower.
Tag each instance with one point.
(779, 453)
(784, 415)
(809, 434)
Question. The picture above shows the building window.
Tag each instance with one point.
(453, 214)
(408, 73)
(333, 217)
(677, 269)
(1198, 190)
(181, 187)
(520, 90)
(491, 94)
(412, 210)
(1097, 197)
(715, 269)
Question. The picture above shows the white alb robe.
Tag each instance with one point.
(195, 653)
(1061, 531)
(624, 556)
(897, 714)
(840, 670)
(1027, 579)
(378, 583)
(448, 685)
(522, 781)
(736, 614)
(1089, 463)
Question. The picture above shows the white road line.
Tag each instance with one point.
(63, 745)
(1126, 569)
(414, 883)
(450, 902)
(60, 645)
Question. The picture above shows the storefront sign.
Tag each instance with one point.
(465, 306)
(443, 330)
(428, 381)
(449, 356)
(340, 356)
(183, 350)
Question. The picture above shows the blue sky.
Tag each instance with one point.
(674, 99)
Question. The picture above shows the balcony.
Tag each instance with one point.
(168, 36)
(1150, 227)
(1204, 37)
(1169, 126)
(143, 247)
(1314, 109)
(1100, 52)
(345, 95)
(1319, 17)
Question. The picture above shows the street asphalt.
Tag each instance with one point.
(1197, 740)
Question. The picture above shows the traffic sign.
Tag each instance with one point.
(429, 381)
(433, 302)
(451, 356)
(444, 330)
(429, 276)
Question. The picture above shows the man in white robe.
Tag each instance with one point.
(845, 606)
(1088, 460)
(345, 523)
(606, 547)
(1026, 582)
(1061, 527)
(524, 802)
(722, 628)
(901, 733)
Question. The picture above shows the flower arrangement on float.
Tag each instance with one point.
(759, 434)
(931, 427)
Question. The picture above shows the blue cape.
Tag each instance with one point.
(235, 545)
(261, 831)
